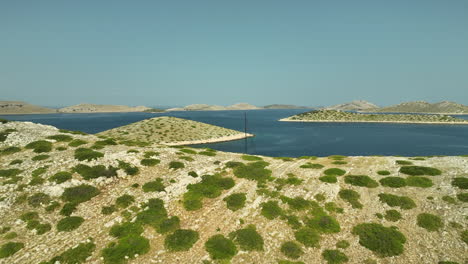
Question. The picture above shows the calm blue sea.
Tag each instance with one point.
(293, 139)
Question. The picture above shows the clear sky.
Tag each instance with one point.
(305, 52)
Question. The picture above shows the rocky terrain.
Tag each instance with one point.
(206, 107)
(340, 116)
(357, 105)
(68, 197)
(17, 107)
(443, 107)
(95, 108)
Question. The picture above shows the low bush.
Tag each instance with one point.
(11, 235)
(126, 248)
(102, 143)
(429, 222)
(149, 162)
(328, 179)
(463, 197)
(211, 186)
(169, 225)
(61, 138)
(61, 177)
(308, 237)
(69, 223)
(336, 157)
(351, 197)
(107, 210)
(310, 165)
(154, 214)
(154, 186)
(124, 201)
(126, 229)
(128, 168)
(181, 240)
(235, 201)
(253, 171)
(68, 209)
(271, 210)
(10, 150)
(40, 157)
(383, 172)
(176, 165)
(335, 172)
(291, 250)
(422, 182)
(188, 151)
(342, 244)
(248, 239)
(464, 236)
(94, 172)
(9, 173)
(82, 154)
(361, 180)
(10, 248)
(38, 199)
(207, 153)
(403, 162)
(75, 255)
(324, 224)
(298, 203)
(40, 146)
(419, 171)
(193, 174)
(79, 194)
(392, 215)
(233, 164)
(77, 143)
(149, 154)
(333, 256)
(187, 158)
(460, 182)
(393, 182)
(403, 202)
(251, 158)
(339, 162)
(383, 241)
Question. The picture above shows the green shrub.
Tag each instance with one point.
(351, 197)
(169, 225)
(383, 172)
(126, 229)
(392, 215)
(107, 210)
(87, 154)
(342, 244)
(283, 261)
(176, 165)
(10, 150)
(124, 201)
(211, 186)
(464, 236)
(193, 174)
(52, 206)
(80, 193)
(149, 162)
(128, 168)
(335, 172)
(248, 239)
(94, 172)
(383, 241)
(422, 182)
(39, 171)
(154, 186)
(459, 182)
(419, 170)
(309, 165)
(9, 249)
(336, 157)
(430, 222)
(403, 202)
(61, 177)
(188, 151)
(308, 237)
(69, 223)
(61, 138)
(154, 214)
(127, 247)
(271, 210)
(339, 162)
(403, 162)
(328, 179)
(251, 158)
(393, 182)
(333, 256)
(28, 216)
(207, 153)
(72, 132)
(102, 143)
(38, 199)
(324, 224)
(11, 235)
(291, 249)
(3, 121)
(76, 255)
(60, 148)
(463, 197)
(253, 171)
(149, 154)
(43, 228)
(235, 201)
(40, 146)
(36, 181)
(181, 240)
(361, 180)
(40, 157)
(68, 209)
(77, 142)
(9, 173)
(447, 262)
(233, 164)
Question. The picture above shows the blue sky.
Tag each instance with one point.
(222, 52)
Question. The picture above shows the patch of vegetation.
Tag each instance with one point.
(463, 197)
(207, 153)
(11, 235)
(251, 158)
(211, 186)
(333, 256)
(126, 248)
(154, 186)
(351, 197)
(342, 244)
(335, 172)
(336, 157)
(187, 158)
(361, 180)
(403, 162)
(248, 239)
(10, 150)
(308, 237)
(422, 182)
(149, 162)
(253, 171)
(126, 229)
(102, 143)
(393, 182)
(38, 199)
(77, 142)
(69, 223)
(9, 173)
(181, 240)
(339, 162)
(80, 193)
(52, 206)
(188, 151)
(61, 177)
(460, 182)
(429, 222)
(76, 255)
(68, 209)
(107, 210)
(464, 236)
(193, 174)
(233, 164)
(94, 172)
(40, 157)
(61, 138)
(420, 170)
(383, 172)
(235, 201)
(176, 165)
(328, 179)
(392, 215)
(271, 210)
(72, 132)
(82, 154)
(383, 241)
(324, 223)
(310, 165)
(124, 201)
(40, 146)
(10, 248)
(128, 168)
(149, 154)
(169, 225)
(220, 248)
(291, 250)
(403, 202)
(154, 214)
(298, 203)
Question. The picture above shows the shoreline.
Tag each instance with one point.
(413, 113)
(389, 122)
(208, 141)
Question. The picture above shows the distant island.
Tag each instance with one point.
(284, 106)
(340, 116)
(357, 105)
(444, 107)
(95, 108)
(18, 107)
(206, 107)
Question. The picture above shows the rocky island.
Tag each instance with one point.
(341, 116)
